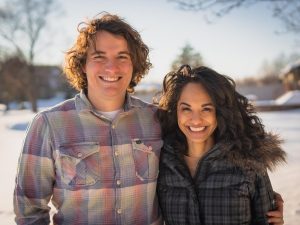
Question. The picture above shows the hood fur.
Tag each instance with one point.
(268, 155)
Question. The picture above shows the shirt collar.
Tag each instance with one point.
(83, 104)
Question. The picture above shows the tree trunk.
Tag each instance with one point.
(33, 100)
(32, 88)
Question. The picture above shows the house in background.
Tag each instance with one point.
(289, 80)
(51, 81)
(260, 91)
(290, 76)
(290, 99)
(48, 79)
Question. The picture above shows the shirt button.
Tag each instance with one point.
(118, 182)
(116, 153)
(79, 155)
(119, 211)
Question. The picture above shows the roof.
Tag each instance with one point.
(290, 67)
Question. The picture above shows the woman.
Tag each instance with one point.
(214, 162)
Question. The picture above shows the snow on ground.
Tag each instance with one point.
(285, 180)
(291, 97)
(11, 142)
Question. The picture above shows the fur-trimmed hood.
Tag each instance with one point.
(269, 155)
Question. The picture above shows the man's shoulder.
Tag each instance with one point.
(64, 106)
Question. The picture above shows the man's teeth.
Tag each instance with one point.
(196, 129)
(111, 79)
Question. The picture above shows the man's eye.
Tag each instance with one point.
(123, 57)
(98, 57)
(185, 109)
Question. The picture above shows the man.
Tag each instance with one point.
(94, 156)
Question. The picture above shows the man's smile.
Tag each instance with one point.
(109, 78)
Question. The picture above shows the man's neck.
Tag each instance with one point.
(105, 104)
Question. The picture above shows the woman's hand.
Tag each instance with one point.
(276, 217)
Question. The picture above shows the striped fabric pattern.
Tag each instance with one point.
(95, 171)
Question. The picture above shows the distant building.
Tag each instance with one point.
(48, 79)
(290, 76)
(289, 80)
(51, 81)
(261, 91)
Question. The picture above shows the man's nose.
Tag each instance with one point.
(111, 66)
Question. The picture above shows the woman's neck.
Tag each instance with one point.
(196, 149)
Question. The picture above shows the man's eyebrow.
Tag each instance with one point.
(96, 52)
(124, 52)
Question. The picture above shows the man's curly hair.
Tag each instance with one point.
(75, 57)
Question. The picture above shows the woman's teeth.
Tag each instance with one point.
(197, 129)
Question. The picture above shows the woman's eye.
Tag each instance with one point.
(207, 109)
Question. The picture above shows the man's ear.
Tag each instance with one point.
(83, 68)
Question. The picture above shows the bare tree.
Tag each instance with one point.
(187, 56)
(21, 26)
(288, 11)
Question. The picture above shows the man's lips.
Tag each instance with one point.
(109, 78)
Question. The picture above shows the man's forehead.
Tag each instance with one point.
(104, 41)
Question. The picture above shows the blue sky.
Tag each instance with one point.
(236, 44)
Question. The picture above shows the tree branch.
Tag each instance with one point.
(288, 11)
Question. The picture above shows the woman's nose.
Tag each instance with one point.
(197, 117)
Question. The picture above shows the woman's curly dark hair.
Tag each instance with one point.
(238, 126)
(75, 57)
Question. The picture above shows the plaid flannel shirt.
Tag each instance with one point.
(95, 171)
(219, 194)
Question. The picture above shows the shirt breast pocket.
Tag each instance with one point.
(146, 158)
(80, 164)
